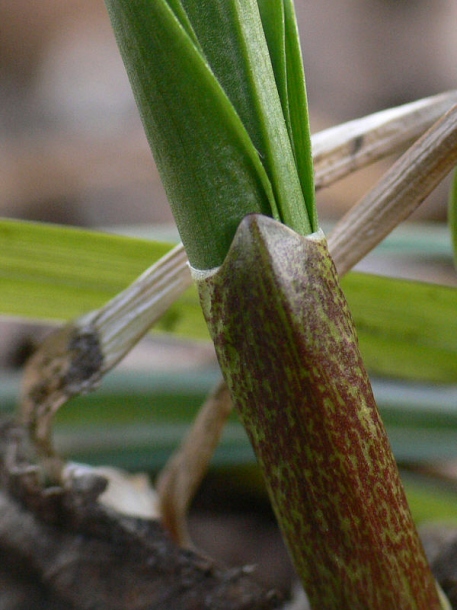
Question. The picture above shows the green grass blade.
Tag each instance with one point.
(54, 273)
(210, 169)
(406, 329)
(430, 500)
(51, 273)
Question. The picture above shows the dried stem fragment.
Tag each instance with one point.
(405, 186)
(184, 472)
(73, 359)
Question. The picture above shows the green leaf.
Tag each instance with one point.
(243, 67)
(298, 110)
(453, 214)
(54, 273)
(51, 272)
(210, 169)
(406, 329)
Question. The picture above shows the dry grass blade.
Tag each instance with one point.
(184, 472)
(401, 190)
(344, 149)
(73, 359)
(125, 319)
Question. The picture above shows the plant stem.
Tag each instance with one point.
(288, 350)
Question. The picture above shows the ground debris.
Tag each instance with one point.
(61, 549)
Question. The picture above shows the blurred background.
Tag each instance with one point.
(72, 151)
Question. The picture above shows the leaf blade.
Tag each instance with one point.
(75, 271)
(209, 166)
(242, 65)
(398, 339)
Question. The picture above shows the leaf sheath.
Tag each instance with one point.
(288, 350)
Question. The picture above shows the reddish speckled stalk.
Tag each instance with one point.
(288, 350)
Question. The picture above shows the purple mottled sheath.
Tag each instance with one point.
(287, 347)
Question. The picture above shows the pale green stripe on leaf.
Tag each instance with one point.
(453, 215)
(272, 15)
(281, 31)
(298, 111)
